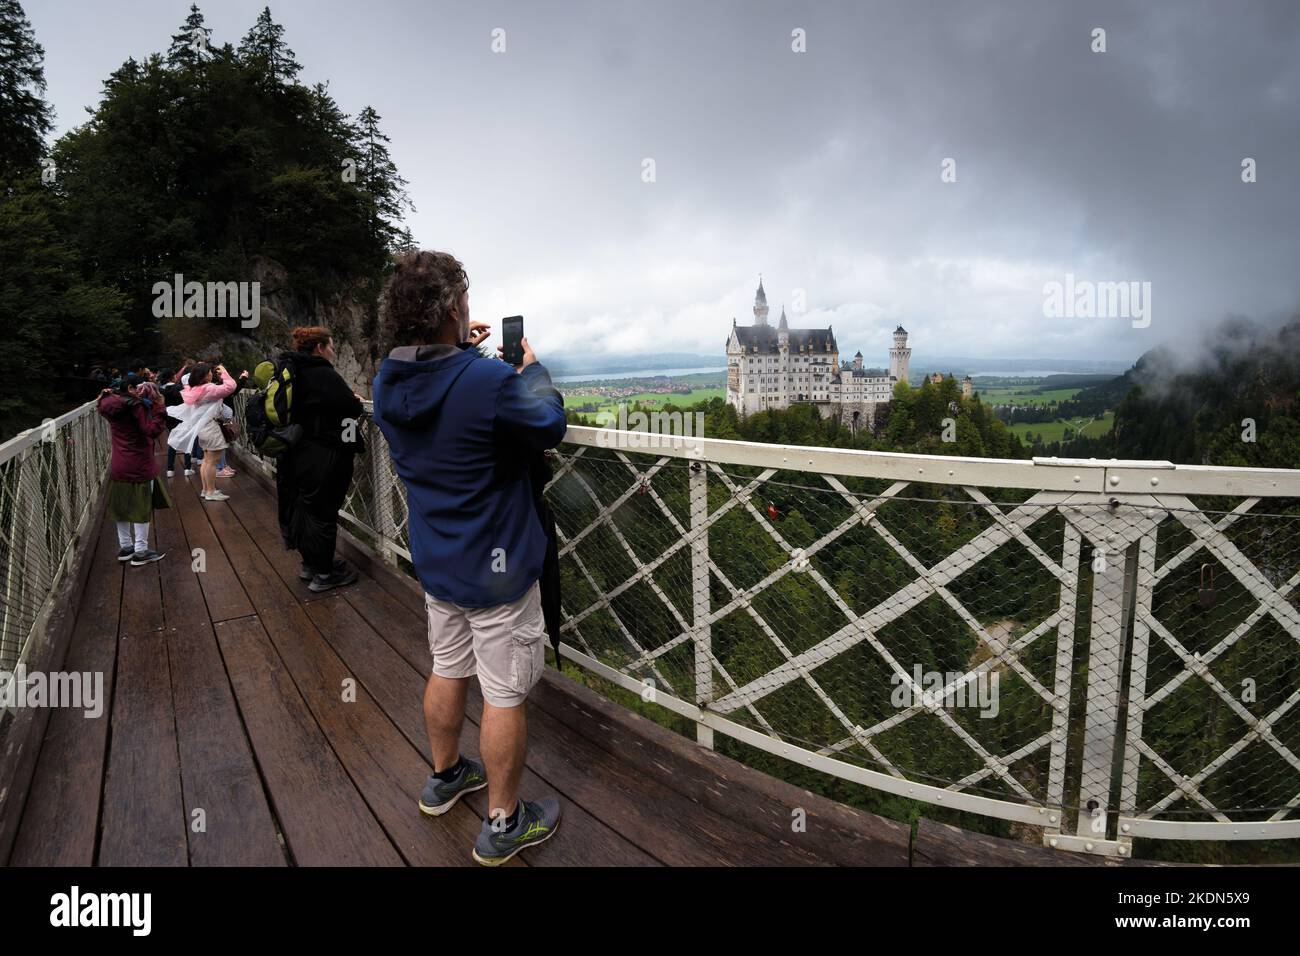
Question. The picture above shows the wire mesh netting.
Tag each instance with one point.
(981, 640)
(49, 482)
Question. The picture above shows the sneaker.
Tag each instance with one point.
(441, 795)
(188, 472)
(215, 496)
(141, 558)
(305, 573)
(537, 824)
(226, 473)
(126, 554)
(324, 582)
(171, 474)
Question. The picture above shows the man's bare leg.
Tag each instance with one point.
(444, 715)
(503, 739)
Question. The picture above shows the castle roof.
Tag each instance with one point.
(783, 325)
(900, 329)
(849, 371)
(760, 298)
(763, 339)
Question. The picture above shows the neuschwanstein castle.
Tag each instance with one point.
(773, 367)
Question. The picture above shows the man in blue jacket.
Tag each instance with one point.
(461, 430)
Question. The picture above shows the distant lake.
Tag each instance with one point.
(1030, 373)
(636, 373)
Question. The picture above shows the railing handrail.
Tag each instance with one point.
(29, 437)
(50, 495)
(1042, 474)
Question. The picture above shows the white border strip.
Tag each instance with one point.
(1176, 830)
(1042, 474)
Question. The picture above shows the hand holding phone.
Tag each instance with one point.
(512, 347)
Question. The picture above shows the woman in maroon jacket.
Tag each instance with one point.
(136, 416)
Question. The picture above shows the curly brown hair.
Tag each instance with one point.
(422, 293)
(307, 337)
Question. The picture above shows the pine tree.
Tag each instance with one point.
(379, 179)
(50, 315)
(190, 46)
(25, 117)
(404, 241)
(264, 49)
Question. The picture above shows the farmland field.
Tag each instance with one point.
(651, 400)
(1055, 431)
(1023, 395)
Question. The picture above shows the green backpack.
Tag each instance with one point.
(269, 412)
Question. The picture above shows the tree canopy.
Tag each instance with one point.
(202, 161)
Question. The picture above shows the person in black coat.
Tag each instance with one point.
(170, 386)
(313, 477)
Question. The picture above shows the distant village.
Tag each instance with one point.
(642, 386)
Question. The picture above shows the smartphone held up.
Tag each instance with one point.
(512, 334)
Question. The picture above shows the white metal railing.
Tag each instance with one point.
(51, 478)
(1138, 621)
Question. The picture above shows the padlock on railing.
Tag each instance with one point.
(1206, 596)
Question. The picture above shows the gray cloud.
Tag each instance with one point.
(819, 169)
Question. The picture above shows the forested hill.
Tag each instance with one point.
(1237, 403)
(208, 159)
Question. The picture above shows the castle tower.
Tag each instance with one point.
(967, 387)
(857, 361)
(900, 356)
(783, 343)
(760, 304)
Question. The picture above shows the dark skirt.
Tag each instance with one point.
(316, 482)
(135, 501)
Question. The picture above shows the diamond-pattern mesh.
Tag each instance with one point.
(50, 481)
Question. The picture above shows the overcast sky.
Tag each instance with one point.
(820, 169)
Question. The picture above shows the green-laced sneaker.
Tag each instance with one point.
(439, 796)
(537, 824)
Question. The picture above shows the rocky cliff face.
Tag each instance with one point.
(350, 316)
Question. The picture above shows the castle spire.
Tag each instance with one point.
(760, 303)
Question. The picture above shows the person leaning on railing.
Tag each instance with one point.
(462, 430)
(135, 411)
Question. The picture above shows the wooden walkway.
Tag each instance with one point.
(228, 739)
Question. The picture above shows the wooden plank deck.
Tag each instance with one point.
(228, 739)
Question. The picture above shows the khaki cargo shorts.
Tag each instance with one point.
(503, 644)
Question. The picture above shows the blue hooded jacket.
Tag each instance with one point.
(461, 429)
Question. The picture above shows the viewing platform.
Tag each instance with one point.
(796, 600)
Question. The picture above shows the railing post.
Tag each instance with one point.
(699, 481)
(1145, 589)
(381, 483)
(1062, 679)
(1112, 603)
